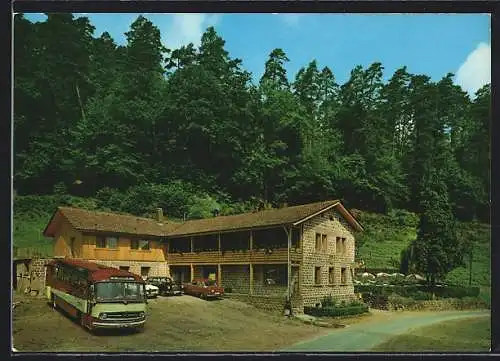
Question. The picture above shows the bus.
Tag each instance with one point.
(95, 295)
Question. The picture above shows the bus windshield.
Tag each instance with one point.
(119, 291)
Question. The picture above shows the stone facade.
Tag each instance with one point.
(236, 277)
(30, 275)
(328, 259)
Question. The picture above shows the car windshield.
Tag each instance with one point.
(117, 291)
(210, 283)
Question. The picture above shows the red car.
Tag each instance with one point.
(204, 288)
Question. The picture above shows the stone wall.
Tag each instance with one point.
(268, 303)
(30, 275)
(236, 277)
(333, 225)
(273, 304)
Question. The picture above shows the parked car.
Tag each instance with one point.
(166, 285)
(203, 288)
(152, 291)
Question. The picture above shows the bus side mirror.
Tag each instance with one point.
(92, 295)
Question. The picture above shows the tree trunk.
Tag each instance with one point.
(79, 100)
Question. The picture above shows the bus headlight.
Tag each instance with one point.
(103, 316)
(142, 314)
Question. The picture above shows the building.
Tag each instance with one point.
(300, 253)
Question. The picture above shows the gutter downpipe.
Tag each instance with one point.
(289, 265)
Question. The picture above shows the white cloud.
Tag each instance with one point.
(188, 28)
(289, 19)
(476, 69)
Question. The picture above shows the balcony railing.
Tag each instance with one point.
(240, 256)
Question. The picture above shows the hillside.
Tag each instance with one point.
(379, 246)
(386, 236)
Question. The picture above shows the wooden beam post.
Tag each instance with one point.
(289, 264)
(219, 275)
(251, 241)
(192, 273)
(218, 242)
(192, 244)
(251, 278)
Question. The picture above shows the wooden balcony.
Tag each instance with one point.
(235, 257)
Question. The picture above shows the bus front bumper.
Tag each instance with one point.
(118, 324)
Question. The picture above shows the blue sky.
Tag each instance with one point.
(431, 44)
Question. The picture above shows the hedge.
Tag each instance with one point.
(336, 311)
(419, 292)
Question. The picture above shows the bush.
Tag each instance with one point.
(328, 301)
(143, 199)
(43, 205)
(419, 292)
(336, 311)
(404, 218)
(396, 301)
(455, 291)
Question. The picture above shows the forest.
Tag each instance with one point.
(93, 118)
(140, 126)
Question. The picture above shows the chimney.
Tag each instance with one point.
(159, 214)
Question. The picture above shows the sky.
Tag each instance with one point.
(430, 44)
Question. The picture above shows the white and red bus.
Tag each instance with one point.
(96, 295)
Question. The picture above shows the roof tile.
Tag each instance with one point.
(95, 221)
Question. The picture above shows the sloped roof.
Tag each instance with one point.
(97, 272)
(93, 221)
(265, 218)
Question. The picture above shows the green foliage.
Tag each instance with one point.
(141, 113)
(332, 311)
(437, 250)
(419, 292)
(383, 239)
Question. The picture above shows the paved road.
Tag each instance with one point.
(364, 336)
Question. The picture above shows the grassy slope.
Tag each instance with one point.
(379, 246)
(384, 239)
(453, 336)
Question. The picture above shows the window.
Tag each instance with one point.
(107, 242)
(324, 241)
(318, 241)
(331, 275)
(344, 250)
(100, 242)
(275, 275)
(140, 244)
(337, 246)
(111, 242)
(145, 271)
(321, 242)
(343, 275)
(317, 275)
(124, 268)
